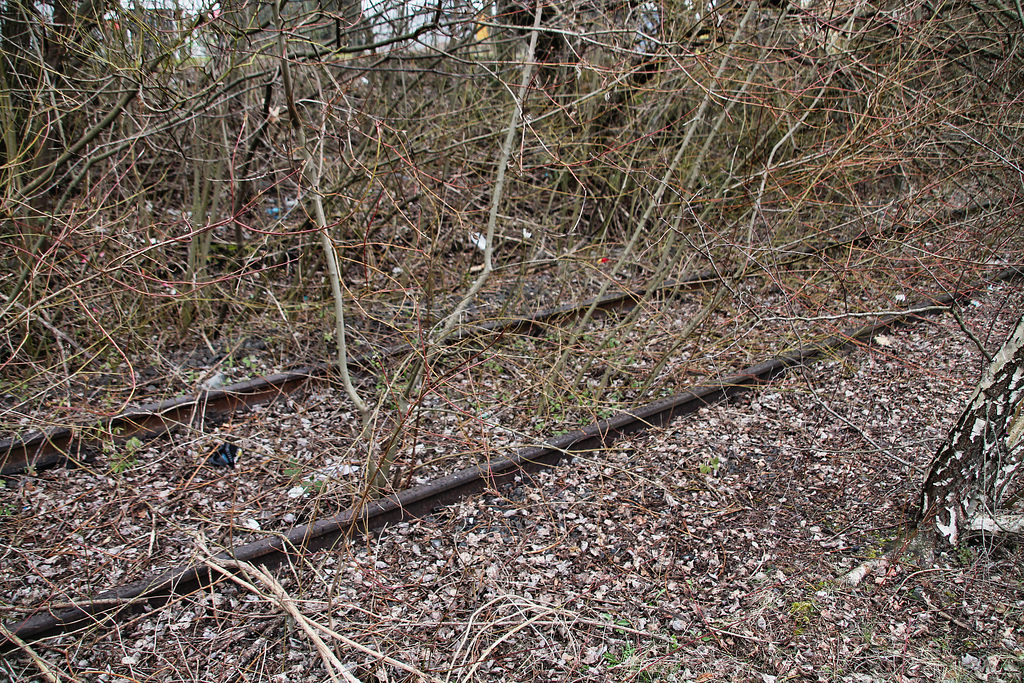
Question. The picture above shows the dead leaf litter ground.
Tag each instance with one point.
(709, 550)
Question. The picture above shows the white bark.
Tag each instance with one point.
(979, 461)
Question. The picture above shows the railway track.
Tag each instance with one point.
(63, 445)
(59, 446)
(418, 501)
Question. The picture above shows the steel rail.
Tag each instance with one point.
(415, 502)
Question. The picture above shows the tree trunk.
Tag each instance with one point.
(973, 470)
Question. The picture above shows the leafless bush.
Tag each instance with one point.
(155, 202)
(184, 191)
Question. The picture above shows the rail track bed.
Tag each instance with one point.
(680, 509)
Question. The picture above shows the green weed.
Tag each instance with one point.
(124, 458)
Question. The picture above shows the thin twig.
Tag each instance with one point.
(852, 425)
(280, 597)
(842, 316)
(970, 334)
(45, 669)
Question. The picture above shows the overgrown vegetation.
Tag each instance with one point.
(157, 203)
(193, 195)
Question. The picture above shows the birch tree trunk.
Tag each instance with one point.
(974, 469)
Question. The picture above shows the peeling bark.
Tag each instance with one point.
(975, 467)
